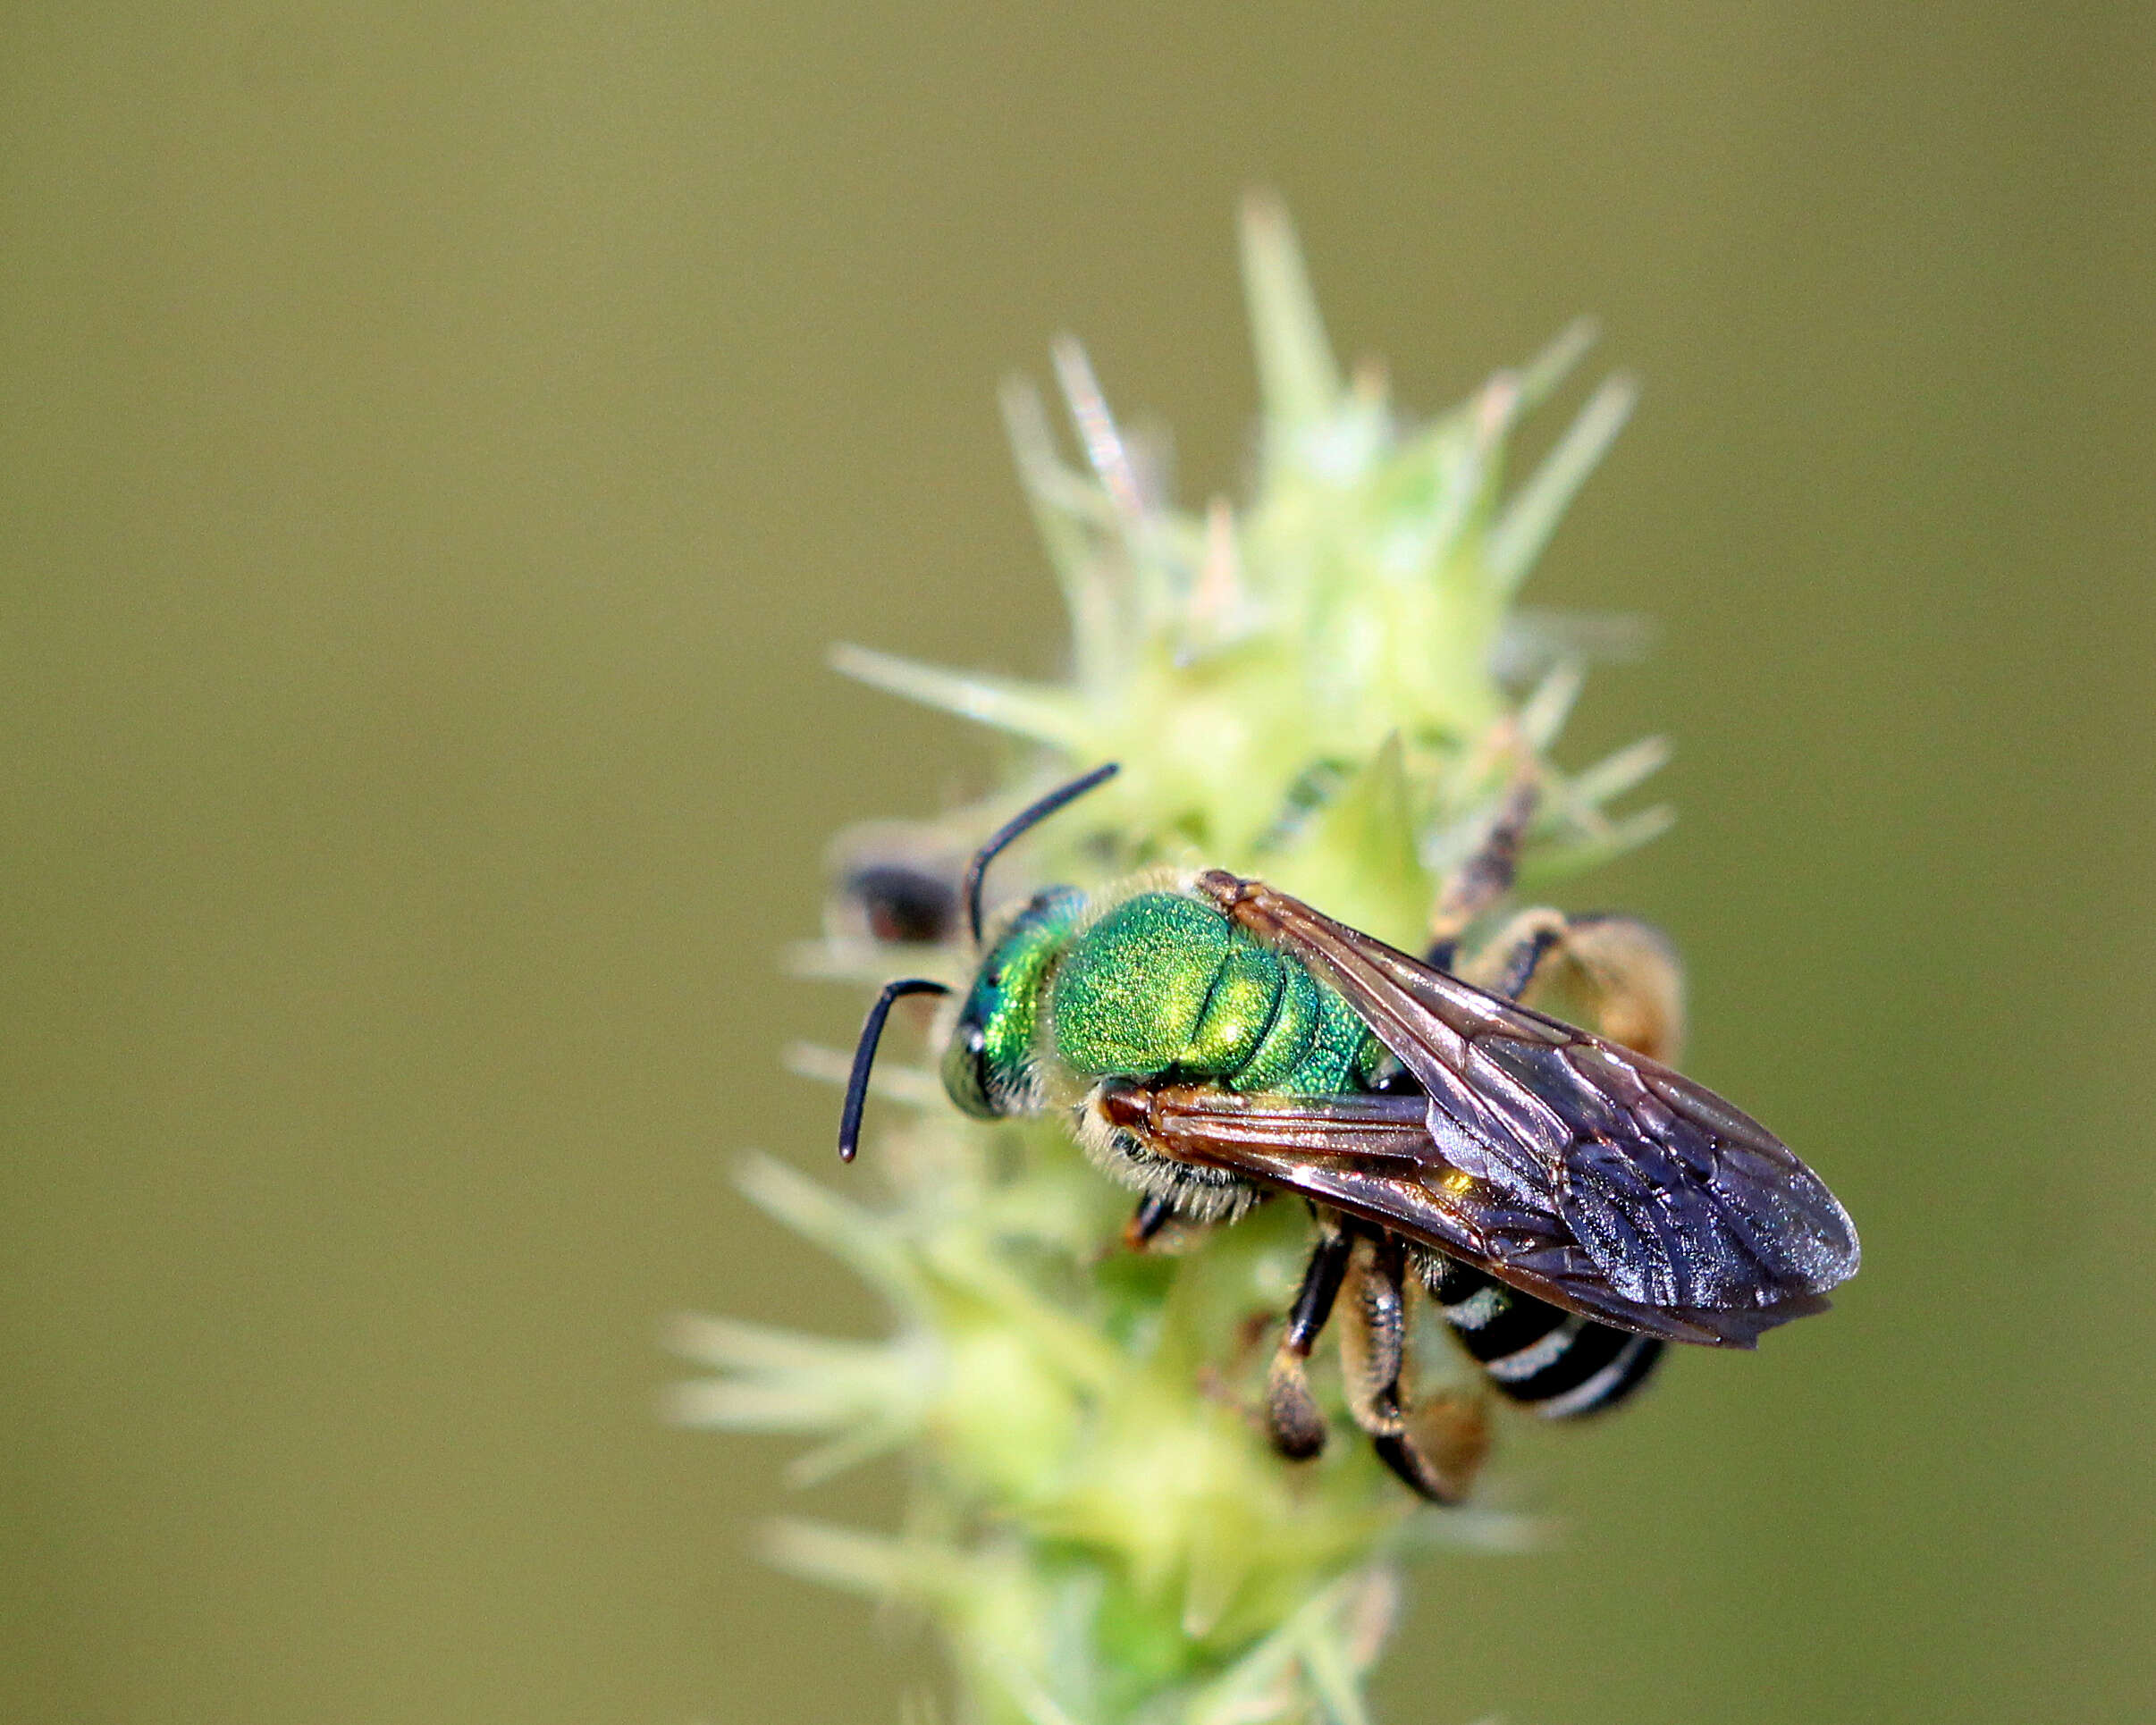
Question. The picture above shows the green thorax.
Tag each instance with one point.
(1165, 985)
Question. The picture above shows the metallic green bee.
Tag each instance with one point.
(1569, 1201)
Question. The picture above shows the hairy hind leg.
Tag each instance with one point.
(1628, 973)
(1622, 972)
(1435, 1446)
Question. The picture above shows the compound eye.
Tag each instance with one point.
(965, 1067)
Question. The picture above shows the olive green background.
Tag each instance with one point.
(434, 449)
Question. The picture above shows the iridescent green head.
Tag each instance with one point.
(987, 1068)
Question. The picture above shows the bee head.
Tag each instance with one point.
(988, 1065)
(988, 1069)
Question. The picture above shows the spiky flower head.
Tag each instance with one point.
(1329, 686)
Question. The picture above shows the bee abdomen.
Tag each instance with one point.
(1557, 1364)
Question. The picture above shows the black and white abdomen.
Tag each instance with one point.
(1557, 1364)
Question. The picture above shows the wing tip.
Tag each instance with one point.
(1763, 1319)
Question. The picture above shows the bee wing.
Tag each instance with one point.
(1671, 1199)
(1371, 1157)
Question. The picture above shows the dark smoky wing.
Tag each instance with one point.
(1677, 1198)
(1694, 1203)
(1372, 1156)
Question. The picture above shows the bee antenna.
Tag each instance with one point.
(1026, 818)
(864, 1057)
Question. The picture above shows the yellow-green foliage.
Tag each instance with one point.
(1328, 687)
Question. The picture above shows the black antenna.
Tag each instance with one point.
(864, 1057)
(1017, 824)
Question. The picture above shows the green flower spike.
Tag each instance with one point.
(1330, 687)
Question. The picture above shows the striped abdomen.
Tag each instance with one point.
(1559, 1365)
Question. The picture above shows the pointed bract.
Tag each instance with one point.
(1524, 528)
(1029, 710)
(1298, 378)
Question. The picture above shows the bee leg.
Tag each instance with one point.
(1637, 981)
(1151, 1216)
(1373, 1335)
(1157, 1226)
(1486, 876)
(1292, 1413)
(1624, 972)
(1524, 945)
(1436, 1446)
(1443, 1447)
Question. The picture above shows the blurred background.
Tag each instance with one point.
(435, 452)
